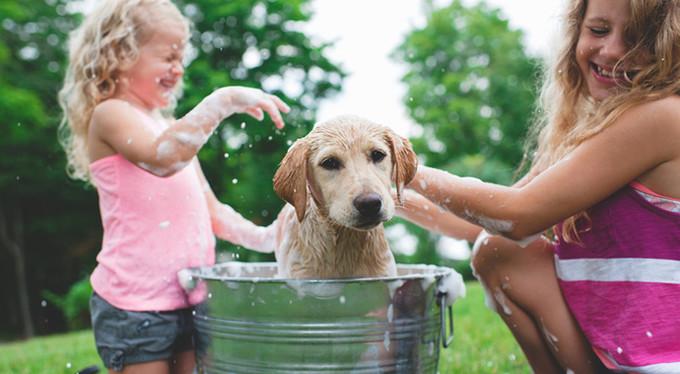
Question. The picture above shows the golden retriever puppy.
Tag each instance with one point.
(338, 183)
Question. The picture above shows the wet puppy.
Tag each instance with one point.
(338, 183)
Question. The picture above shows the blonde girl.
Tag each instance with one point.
(158, 212)
(604, 291)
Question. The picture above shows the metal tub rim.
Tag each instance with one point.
(208, 273)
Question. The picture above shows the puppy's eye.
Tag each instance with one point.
(331, 163)
(377, 156)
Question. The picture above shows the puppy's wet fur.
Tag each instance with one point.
(338, 182)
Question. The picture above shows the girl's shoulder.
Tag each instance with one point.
(115, 113)
(113, 106)
(664, 108)
(661, 116)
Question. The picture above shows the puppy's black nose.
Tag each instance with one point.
(368, 204)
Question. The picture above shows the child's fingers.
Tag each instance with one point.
(271, 108)
(280, 104)
(256, 113)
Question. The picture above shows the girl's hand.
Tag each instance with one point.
(253, 101)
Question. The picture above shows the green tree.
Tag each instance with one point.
(49, 230)
(260, 43)
(43, 217)
(471, 87)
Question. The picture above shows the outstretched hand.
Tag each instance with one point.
(255, 102)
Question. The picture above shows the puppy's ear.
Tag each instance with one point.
(404, 161)
(290, 180)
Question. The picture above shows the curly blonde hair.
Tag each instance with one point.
(106, 43)
(567, 116)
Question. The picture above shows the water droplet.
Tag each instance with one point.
(619, 350)
(649, 334)
(243, 125)
(68, 365)
(164, 224)
(43, 303)
(234, 181)
(226, 155)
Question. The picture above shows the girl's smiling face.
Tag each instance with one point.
(601, 45)
(151, 80)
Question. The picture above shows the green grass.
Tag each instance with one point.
(64, 353)
(482, 344)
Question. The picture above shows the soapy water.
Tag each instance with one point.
(482, 239)
(195, 128)
(492, 225)
(450, 286)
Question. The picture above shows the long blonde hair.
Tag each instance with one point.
(567, 116)
(106, 43)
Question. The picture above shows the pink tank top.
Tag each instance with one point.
(622, 281)
(153, 227)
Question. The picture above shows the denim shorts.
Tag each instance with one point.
(124, 337)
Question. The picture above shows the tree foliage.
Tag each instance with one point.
(46, 218)
(255, 43)
(471, 87)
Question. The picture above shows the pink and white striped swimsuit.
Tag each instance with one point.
(622, 282)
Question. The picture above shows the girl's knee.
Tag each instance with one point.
(488, 255)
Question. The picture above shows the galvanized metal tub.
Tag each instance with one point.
(251, 322)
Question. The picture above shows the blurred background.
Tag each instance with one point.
(459, 78)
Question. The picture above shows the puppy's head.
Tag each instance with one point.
(347, 165)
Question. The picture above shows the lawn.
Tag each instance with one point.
(482, 345)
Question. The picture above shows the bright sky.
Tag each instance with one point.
(367, 31)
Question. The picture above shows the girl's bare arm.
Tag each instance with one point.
(644, 141)
(118, 127)
(229, 225)
(428, 215)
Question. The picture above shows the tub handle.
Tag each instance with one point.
(446, 341)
